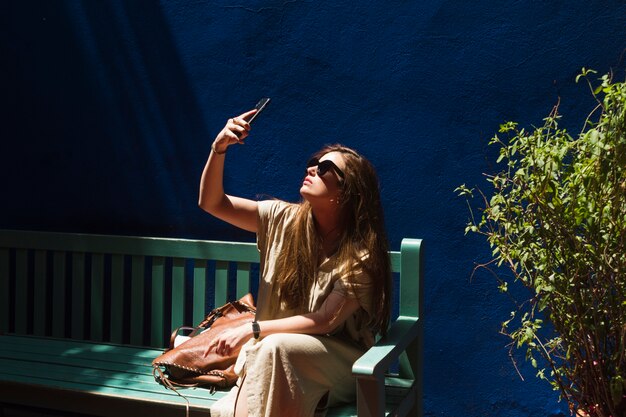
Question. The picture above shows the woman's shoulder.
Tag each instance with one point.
(275, 216)
(276, 208)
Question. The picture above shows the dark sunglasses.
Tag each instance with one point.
(324, 166)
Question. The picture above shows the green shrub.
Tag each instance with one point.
(556, 218)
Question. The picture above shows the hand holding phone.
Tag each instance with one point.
(236, 130)
(260, 106)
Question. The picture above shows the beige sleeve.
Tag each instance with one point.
(359, 287)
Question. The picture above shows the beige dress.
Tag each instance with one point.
(293, 374)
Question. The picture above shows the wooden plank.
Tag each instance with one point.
(157, 309)
(129, 245)
(74, 364)
(410, 285)
(395, 261)
(111, 365)
(58, 294)
(21, 291)
(411, 304)
(199, 290)
(243, 279)
(106, 351)
(77, 399)
(112, 375)
(117, 298)
(178, 292)
(221, 283)
(137, 321)
(97, 298)
(95, 386)
(40, 308)
(115, 362)
(78, 295)
(345, 410)
(140, 367)
(4, 290)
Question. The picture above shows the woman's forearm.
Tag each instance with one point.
(335, 310)
(212, 182)
(237, 211)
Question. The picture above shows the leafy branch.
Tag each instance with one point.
(556, 218)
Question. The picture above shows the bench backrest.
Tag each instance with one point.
(135, 289)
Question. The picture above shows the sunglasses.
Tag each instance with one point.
(324, 166)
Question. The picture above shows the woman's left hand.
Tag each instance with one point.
(232, 338)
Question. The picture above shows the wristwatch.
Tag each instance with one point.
(256, 329)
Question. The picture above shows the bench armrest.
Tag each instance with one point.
(378, 358)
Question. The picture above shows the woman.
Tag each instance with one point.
(325, 281)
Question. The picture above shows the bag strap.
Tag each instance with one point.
(170, 385)
(243, 379)
(177, 330)
(216, 313)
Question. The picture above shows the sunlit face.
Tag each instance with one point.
(323, 181)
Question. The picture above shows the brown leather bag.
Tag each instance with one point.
(194, 362)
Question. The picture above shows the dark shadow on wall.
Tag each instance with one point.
(99, 117)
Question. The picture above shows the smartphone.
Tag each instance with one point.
(259, 108)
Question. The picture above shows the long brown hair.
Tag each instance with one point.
(363, 232)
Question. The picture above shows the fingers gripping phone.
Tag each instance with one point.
(260, 106)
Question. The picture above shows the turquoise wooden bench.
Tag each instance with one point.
(82, 317)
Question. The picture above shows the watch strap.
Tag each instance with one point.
(256, 329)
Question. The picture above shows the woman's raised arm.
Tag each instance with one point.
(240, 212)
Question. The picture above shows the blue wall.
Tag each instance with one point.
(109, 109)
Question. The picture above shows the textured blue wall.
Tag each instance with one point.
(109, 109)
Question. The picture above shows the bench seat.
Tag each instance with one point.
(103, 379)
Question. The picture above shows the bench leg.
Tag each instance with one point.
(370, 398)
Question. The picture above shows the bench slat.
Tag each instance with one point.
(243, 279)
(138, 300)
(199, 290)
(178, 292)
(395, 257)
(221, 283)
(21, 291)
(95, 388)
(157, 308)
(4, 291)
(121, 363)
(97, 298)
(95, 364)
(58, 294)
(55, 368)
(78, 295)
(130, 245)
(106, 351)
(40, 308)
(117, 298)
